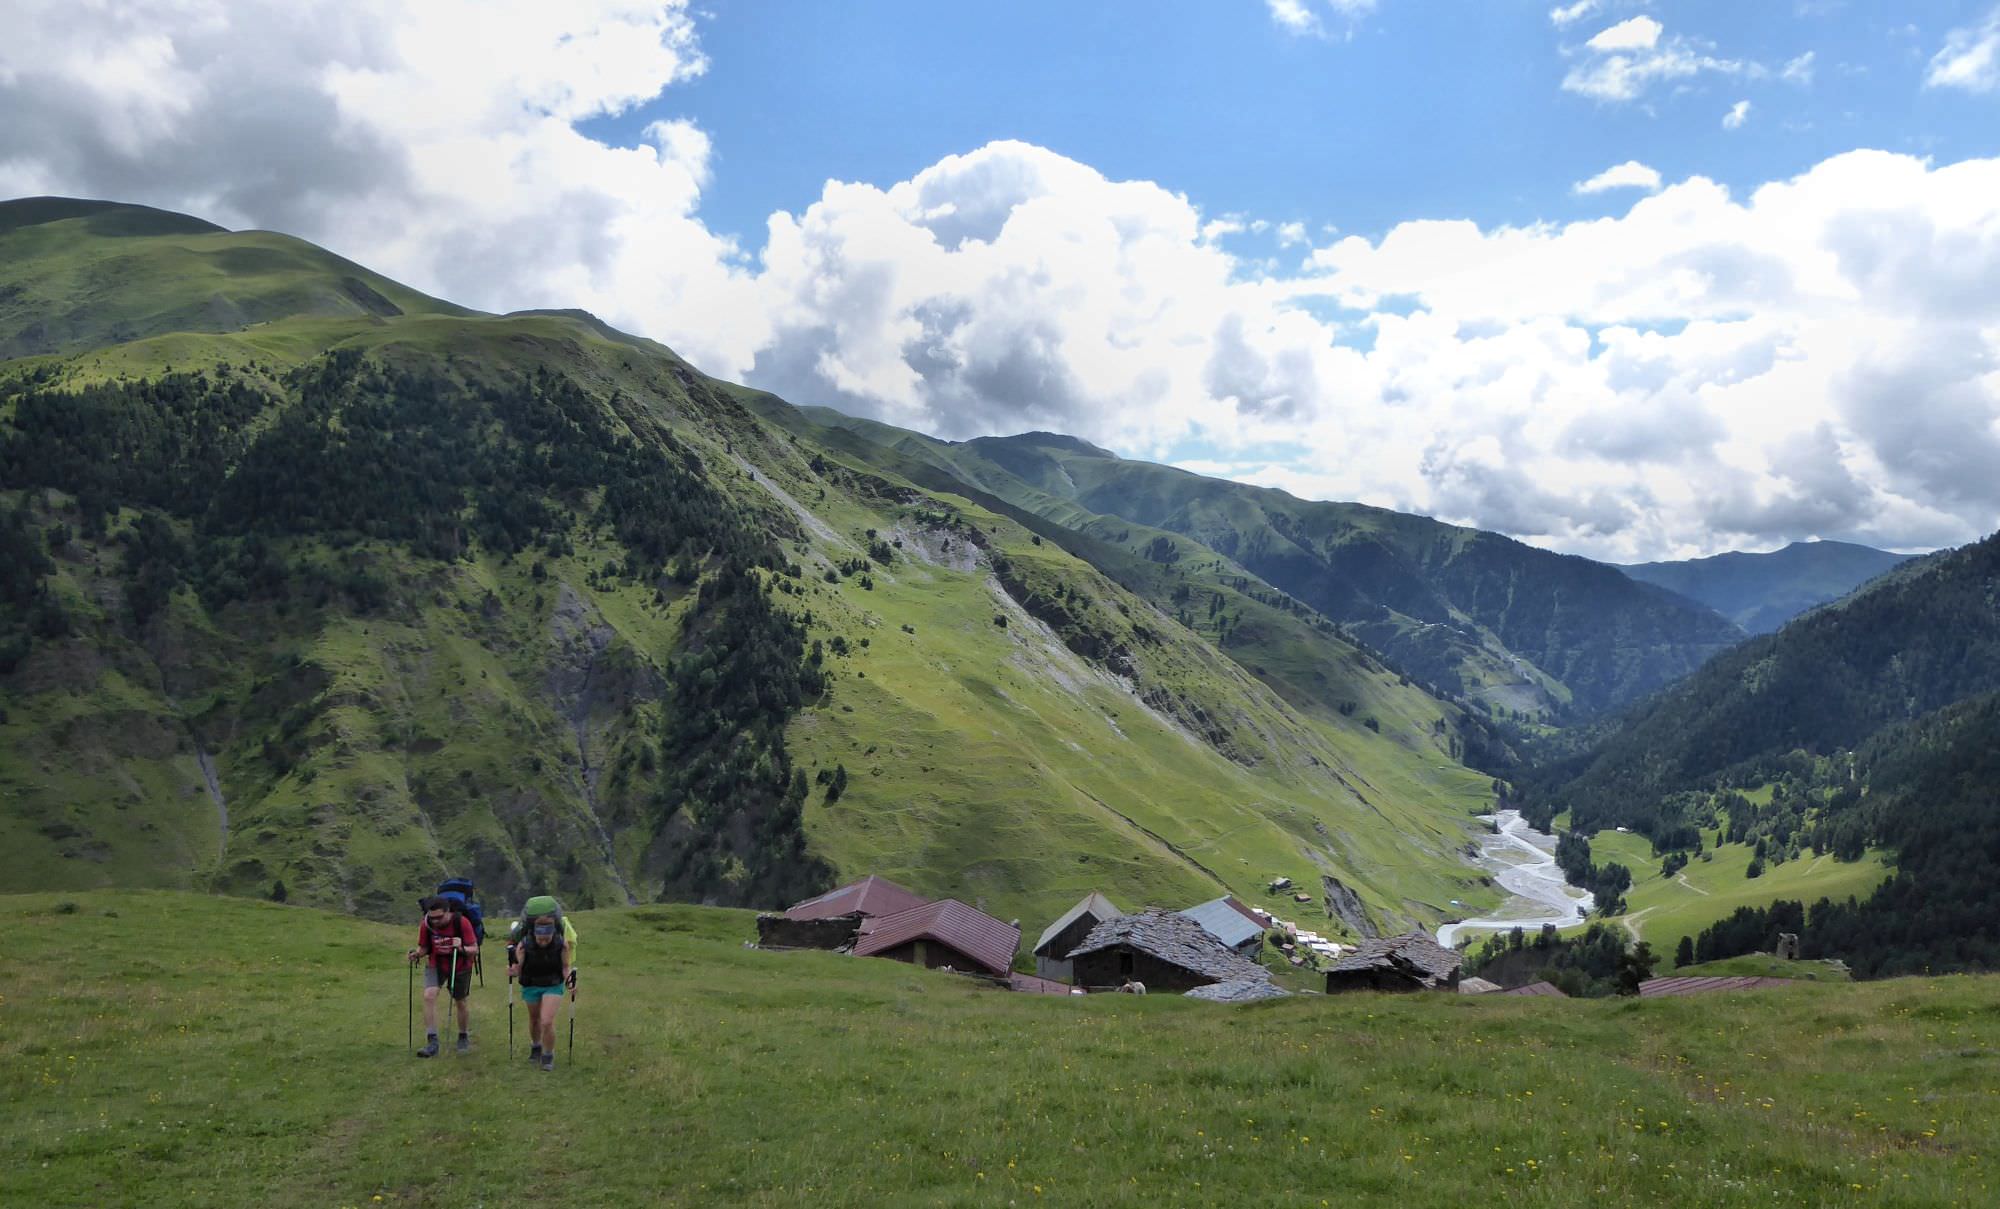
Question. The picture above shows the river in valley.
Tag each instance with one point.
(1523, 861)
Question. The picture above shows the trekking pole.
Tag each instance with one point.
(572, 1023)
(451, 992)
(410, 1008)
(510, 1017)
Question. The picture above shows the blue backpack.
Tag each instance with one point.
(460, 891)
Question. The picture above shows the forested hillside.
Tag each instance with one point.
(315, 600)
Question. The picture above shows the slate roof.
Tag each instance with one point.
(1663, 988)
(1093, 903)
(1477, 986)
(1547, 989)
(1239, 990)
(874, 896)
(1412, 951)
(974, 933)
(1175, 939)
(1225, 921)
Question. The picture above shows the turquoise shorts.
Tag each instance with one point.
(534, 995)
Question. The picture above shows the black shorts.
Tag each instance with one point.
(461, 986)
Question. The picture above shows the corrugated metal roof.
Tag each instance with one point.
(1549, 989)
(1662, 988)
(1225, 921)
(876, 896)
(1175, 939)
(1093, 903)
(1033, 985)
(974, 933)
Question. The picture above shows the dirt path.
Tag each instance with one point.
(1682, 878)
(1631, 923)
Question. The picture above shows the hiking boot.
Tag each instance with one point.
(464, 1044)
(535, 1056)
(430, 1049)
(548, 1061)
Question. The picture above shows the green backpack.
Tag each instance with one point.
(543, 904)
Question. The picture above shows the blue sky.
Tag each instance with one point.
(1438, 108)
(1628, 279)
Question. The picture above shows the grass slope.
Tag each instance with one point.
(168, 1049)
(1662, 910)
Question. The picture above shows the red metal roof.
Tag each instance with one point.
(1247, 912)
(1037, 986)
(874, 896)
(1659, 988)
(976, 934)
(1549, 989)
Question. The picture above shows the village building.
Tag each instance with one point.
(1230, 922)
(1477, 986)
(1164, 950)
(946, 935)
(1664, 988)
(1548, 990)
(833, 920)
(1052, 950)
(1411, 962)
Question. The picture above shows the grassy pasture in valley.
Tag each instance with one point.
(1664, 909)
(162, 1048)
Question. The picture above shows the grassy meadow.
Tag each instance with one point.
(161, 1048)
(1664, 909)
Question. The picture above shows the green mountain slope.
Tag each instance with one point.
(84, 274)
(345, 598)
(1761, 592)
(1473, 613)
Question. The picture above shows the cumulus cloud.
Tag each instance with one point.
(1624, 61)
(1637, 33)
(436, 141)
(1738, 114)
(1629, 175)
(1701, 370)
(1970, 58)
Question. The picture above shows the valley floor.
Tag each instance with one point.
(161, 1048)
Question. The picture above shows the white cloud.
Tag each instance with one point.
(435, 141)
(1629, 175)
(1702, 370)
(1738, 114)
(1299, 16)
(1570, 14)
(1625, 60)
(1970, 58)
(1291, 234)
(1637, 33)
(1800, 70)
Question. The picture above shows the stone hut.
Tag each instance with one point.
(1410, 962)
(1165, 950)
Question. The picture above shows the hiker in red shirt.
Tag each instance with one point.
(447, 939)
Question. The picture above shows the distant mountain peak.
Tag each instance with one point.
(1052, 440)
